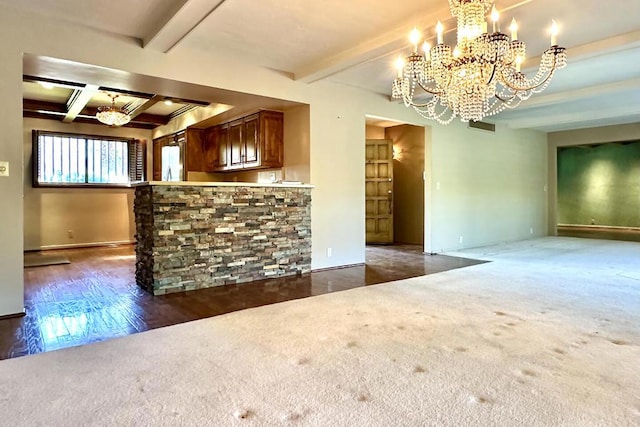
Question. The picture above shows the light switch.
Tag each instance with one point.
(4, 168)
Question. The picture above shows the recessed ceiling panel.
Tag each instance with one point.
(163, 109)
(37, 92)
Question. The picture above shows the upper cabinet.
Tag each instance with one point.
(235, 149)
(216, 141)
(175, 155)
(251, 142)
(194, 152)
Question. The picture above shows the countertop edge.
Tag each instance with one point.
(220, 184)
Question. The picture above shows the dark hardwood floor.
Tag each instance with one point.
(95, 297)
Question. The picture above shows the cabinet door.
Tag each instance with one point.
(158, 143)
(236, 145)
(222, 137)
(272, 140)
(210, 149)
(215, 148)
(193, 143)
(251, 140)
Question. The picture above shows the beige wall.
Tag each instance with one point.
(336, 134)
(95, 215)
(628, 132)
(297, 145)
(408, 183)
(11, 232)
(485, 187)
(374, 132)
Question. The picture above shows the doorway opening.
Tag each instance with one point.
(394, 183)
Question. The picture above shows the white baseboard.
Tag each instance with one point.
(83, 245)
(599, 227)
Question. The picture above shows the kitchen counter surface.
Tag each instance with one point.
(222, 184)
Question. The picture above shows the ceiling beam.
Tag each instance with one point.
(582, 93)
(35, 106)
(45, 109)
(78, 100)
(55, 82)
(594, 49)
(393, 41)
(81, 119)
(179, 23)
(183, 110)
(145, 106)
(582, 116)
(605, 46)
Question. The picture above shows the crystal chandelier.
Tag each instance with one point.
(480, 76)
(112, 115)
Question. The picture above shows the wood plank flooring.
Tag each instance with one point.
(95, 297)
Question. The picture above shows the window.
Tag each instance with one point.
(61, 159)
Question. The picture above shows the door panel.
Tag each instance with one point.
(236, 144)
(251, 128)
(223, 146)
(379, 191)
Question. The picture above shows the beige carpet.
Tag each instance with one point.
(547, 334)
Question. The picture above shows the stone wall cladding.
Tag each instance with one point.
(193, 237)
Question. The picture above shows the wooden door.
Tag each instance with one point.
(236, 145)
(379, 191)
(251, 141)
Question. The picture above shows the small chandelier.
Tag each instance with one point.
(112, 115)
(480, 76)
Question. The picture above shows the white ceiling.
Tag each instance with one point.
(354, 42)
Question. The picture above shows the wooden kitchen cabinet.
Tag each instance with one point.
(158, 143)
(236, 144)
(271, 139)
(251, 142)
(251, 129)
(191, 143)
(194, 150)
(216, 147)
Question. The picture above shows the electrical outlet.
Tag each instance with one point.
(531, 230)
(329, 252)
(70, 234)
(461, 239)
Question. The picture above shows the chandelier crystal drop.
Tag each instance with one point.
(112, 115)
(478, 77)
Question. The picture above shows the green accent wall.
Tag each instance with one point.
(599, 184)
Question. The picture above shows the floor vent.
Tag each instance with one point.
(482, 126)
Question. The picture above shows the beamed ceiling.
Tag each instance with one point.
(79, 102)
(355, 42)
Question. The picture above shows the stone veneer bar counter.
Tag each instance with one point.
(193, 235)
